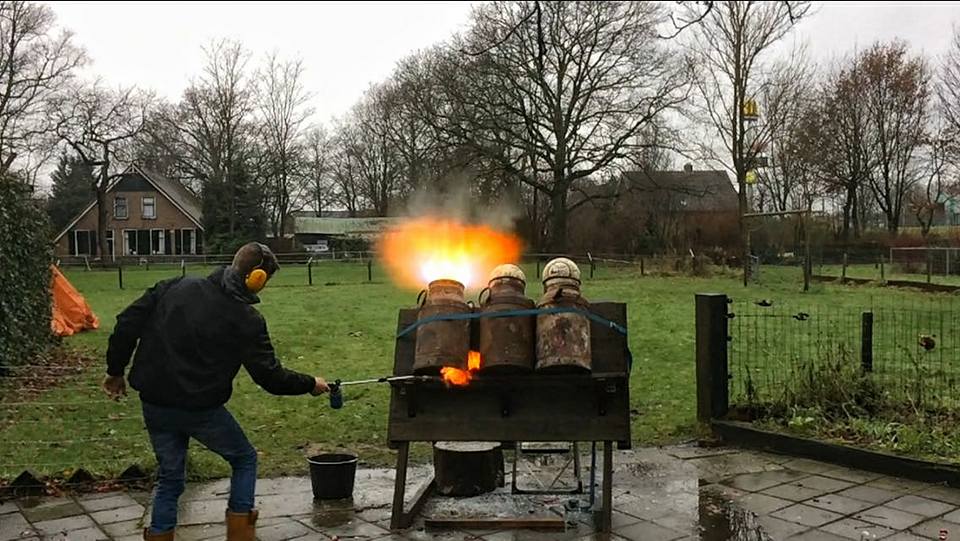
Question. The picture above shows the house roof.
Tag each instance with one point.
(701, 190)
(178, 194)
(356, 227)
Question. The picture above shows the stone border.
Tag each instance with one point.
(938, 288)
(740, 433)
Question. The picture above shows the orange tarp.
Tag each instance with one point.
(71, 313)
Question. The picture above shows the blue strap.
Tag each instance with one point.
(514, 313)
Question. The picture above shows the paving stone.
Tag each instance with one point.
(144, 498)
(212, 490)
(816, 535)
(869, 494)
(285, 505)
(196, 532)
(283, 485)
(943, 494)
(824, 483)
(889, 517)
(44, 513)
(904, 536)
(121, 514)
(8, 507)
(807, 466)
(777, 528)
(920, 506)
(52, 527)
(619, 519)
(854, 476)
(648, 531)
(643, 509)
(115, 501)
(755, 482)
(45, 501)
(763, 504)
(686, 452)
(806, 515)
(86, 534)
(896, 484)
(201, 512)
(793, 492)
(289, 529)
(931, 528)
(120, 529)
(854, 529)
(321, 537)
(681, 522)
(356, 528)
(953, 516)
(14, 526)
(838, 504)
(129, 538)
(505, 535)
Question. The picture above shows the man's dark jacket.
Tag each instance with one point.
(194, 333)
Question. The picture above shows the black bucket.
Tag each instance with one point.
(332, 476)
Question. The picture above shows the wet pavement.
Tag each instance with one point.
(660, 494)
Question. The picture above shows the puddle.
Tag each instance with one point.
(720, 519)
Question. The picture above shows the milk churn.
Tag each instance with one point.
(563, 339)
(506, 343)
(444, 342)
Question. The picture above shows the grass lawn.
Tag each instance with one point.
(343, 327)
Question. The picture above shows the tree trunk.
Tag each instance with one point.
(558, 220)
(102, 207)
(467, 468)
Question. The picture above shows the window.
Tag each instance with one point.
(129, 242)
(189, 246)
(156, 241)
(110, 249)
(83, 242)
(149, 208)
(120, 208)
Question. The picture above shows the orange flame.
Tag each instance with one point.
(419, 251)
(459, 378)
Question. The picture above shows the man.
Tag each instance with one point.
(191, 335)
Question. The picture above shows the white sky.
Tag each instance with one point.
(348, 45)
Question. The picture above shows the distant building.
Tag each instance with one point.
(686, 191)
(148, 214)
(338, 234)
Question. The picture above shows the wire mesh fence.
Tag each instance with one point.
(781, 353)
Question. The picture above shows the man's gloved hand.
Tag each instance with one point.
(115, 387)
(320, 387)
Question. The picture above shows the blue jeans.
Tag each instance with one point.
(170, 432)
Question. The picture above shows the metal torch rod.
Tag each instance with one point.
(386, 380)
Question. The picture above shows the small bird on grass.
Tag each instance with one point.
(928, 341)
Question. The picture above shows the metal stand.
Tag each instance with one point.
(574, 449)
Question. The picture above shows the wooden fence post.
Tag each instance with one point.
(369, 270)
(929, 264)
(120, 275)
(712, 375)
(883, 275)
(310, 271)
(843, 275)
(866, 341)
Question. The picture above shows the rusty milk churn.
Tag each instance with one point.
(445, 342)
(563, 339)
(506, 343)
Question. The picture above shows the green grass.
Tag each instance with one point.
(346, 330)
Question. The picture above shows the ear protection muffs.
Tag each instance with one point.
(257, 279)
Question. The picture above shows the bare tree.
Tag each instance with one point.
(344, 169)
(317, 168)
(729, 42)
(35, 63)
(284, 111)
(557, 92)
(938, 180)
(97, 123)
(948, 89)
(897, 89)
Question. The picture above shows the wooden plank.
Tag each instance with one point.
(536, 523)
(608, 347)
(398, 518)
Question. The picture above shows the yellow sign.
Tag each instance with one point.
(751, 177)
(750, 110)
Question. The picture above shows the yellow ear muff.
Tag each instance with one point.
(256, 280)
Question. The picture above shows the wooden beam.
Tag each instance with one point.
(536, 523)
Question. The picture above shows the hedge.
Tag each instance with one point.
(25, 255)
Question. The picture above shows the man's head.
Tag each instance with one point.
(256, 264)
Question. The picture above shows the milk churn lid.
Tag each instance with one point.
(561, 267)
(508, 270)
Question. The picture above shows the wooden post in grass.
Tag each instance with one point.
(929, 264)
(807, 261)
(883, 275)
(866, 341)
(120, 274)
(712, 392)
(370, 270)
(592, 264)
(183, 268)
(538, 266)
(843, 273)
(310, 271)
(642, 271)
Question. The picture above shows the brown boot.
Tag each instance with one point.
(242, 526)
(165, 536)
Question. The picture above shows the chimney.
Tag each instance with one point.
(688, 168)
